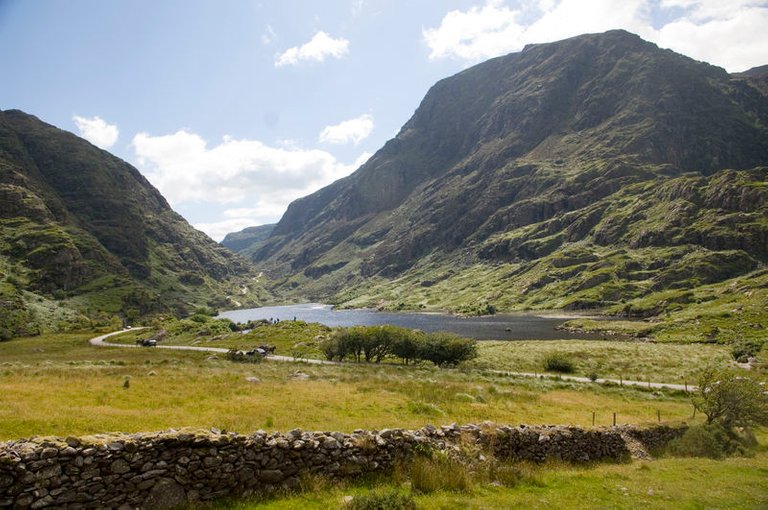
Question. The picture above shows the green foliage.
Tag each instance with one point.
(374, 343)
(710, 440)
(746, 349)
(731, 398)
(439, 472)
(447, 349)
(382, 499)
(559, 362)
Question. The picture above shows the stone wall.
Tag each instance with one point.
(173, 468)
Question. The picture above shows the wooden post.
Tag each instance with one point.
(621, 380)
(658, 415)
(694, 411)
(614, 419)
(686, 386)
(593, 418)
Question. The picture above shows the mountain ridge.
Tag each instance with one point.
(87, 234)
(522, 157)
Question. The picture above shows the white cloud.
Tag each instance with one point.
(352, 130)
(729, 34)
(268, 36)
(256, 180)
(97, 131)
(735, 41)
(317, 49)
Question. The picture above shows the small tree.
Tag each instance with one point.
(330, 348)
(731, 399)
(408, 346)
(443, 348)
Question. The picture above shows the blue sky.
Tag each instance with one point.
(233, 108)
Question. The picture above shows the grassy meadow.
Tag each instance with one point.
(61, 385)
(735, 483)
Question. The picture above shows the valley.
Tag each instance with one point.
(599, 185)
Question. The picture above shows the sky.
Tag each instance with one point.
(235, 108)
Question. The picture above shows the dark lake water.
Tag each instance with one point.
(515, 326)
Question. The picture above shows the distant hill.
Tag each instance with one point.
(84, 237)
(596, 172)
(247, 239)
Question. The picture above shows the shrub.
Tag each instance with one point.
(407, 347)
(330, 348)
(560, 363)
(746, 349)
(731, 399)
(443, 348)
(382, 499)
(711, 441)
(439, 473)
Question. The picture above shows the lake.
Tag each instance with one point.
(502, 326)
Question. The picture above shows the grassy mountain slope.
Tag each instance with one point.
(84, 236)
(591, 172)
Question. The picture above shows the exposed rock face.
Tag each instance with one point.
(172, 469)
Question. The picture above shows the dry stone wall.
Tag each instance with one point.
(174, 468)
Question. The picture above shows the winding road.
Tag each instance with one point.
(99, 341)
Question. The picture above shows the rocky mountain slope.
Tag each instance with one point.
(594, 172)
(247, 240)
(84, 237)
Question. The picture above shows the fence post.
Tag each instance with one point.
(614, 419)
(593, 418)
(658, 415)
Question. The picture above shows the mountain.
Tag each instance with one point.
(247, 239)
(594, 172)
(85, 237)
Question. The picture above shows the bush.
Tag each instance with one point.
(746, 349)
(373, 344)
(560, 363)
(711, 441)
(447, 349)
(731, 399)
(439, 473)
(382, 499)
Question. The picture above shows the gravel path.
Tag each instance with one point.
(99, 341)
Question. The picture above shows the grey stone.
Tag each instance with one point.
(42, 503)
(49, 472)
(166, 493)
(119, 467)
(48, 453)
(271, 476)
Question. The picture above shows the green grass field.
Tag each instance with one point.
(61, 385)
(736, 483)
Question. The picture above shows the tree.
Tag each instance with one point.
(408, 346)
(731, 399)
(443, 348)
